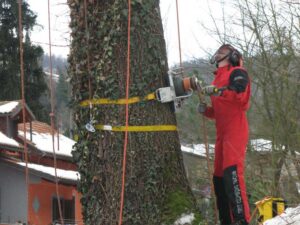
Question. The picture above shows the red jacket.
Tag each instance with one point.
(229, 109)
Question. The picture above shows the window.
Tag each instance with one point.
(67, 208)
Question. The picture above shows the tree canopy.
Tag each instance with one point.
(10, 85)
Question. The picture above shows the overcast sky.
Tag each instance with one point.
(194, 39)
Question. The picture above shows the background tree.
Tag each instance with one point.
(157, 190)
(35, 86)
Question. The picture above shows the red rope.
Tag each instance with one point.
(126, 115)
(52, 115)
(204, 127)
(88, 55)
(23, 100)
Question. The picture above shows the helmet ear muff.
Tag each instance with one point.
(235, 57)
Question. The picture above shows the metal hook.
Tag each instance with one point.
(89, 126)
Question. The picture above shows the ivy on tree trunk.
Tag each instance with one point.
(156, 189)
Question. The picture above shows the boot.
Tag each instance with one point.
(222, 201)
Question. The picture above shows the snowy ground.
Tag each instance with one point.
(291, 216)
(185, 219)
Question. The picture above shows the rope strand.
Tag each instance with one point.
(178, 35)
(204, 127)
(126, 115)
(52, 116)
(23, 100)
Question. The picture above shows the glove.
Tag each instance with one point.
(201, 107)
(211, 90)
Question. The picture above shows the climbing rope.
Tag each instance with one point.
(204, 127)
(178, 35)
(52, 117)
(126, 115)
(23, 99)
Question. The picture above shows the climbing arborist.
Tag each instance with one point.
(229, 108)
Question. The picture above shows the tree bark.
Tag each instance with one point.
(156, 190)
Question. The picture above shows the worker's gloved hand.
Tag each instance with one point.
(201, 107)
(211, 90)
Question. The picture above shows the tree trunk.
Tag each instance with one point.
(156, 190)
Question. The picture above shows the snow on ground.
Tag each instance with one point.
(8, 141)
(8, 107)
(55, 77)
(261, 145)
(43, 141)
(198, 149)
(185, 219)
(291, 216)
(65, 174)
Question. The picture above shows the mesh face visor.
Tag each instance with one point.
(213, 59)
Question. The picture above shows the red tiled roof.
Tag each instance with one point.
(37, 126)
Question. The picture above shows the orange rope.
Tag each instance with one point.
(126, 115)
(208, 166)
(88, 55)
(203, 118)
(23, 100)
(52, 115)
(253, 214)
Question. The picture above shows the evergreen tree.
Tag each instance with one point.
(62, 101)
(35, 86)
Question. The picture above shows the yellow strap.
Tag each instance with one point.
(76, 137)
(122, 101)
(137, 128)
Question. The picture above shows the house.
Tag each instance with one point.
(39, 203)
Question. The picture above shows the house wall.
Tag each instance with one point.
(12, 129)
(13, 197)
(3, 124)
(8, 126)
(42, 193)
